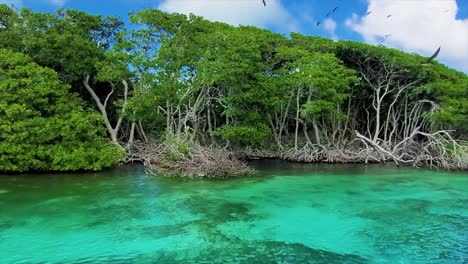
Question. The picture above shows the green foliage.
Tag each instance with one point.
(71, 42)
(244, 134)
(446, 87)
(179, 148)
(217, 82)
(451, 90)
(251, 73)
(313, 44)
(42, 126)
(321, 76)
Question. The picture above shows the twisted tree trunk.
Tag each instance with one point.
(113, 131)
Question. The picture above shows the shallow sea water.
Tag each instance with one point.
(287, 213)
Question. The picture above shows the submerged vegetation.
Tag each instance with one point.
(215, 90)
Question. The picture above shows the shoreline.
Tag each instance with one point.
(218, 163)
(238, 161)
(248, 161)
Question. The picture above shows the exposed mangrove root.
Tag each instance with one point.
(250, 153)
(183, 159)
(313, 153)
(145, 152)
(436, 150)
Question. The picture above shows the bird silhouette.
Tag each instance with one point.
(331, 12)
(368, 13)
(318, 23)
(434, 55)
(383, 40)
(14, 8)
(446, 10)
(264, 2)
(389, 16)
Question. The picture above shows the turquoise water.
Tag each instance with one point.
(288, 213)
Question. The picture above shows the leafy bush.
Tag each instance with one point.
(245, 134)
(43, 127)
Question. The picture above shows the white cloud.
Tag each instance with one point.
(330, 26)
(416, 26)
(16, 3)
(235, 12)
(57, 2)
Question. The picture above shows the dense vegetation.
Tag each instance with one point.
(43, 126)
(198, 84)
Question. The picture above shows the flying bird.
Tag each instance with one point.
(332, 11)
(389, 16)
(264, 2)
(318, 23)
(434, 55)
(386, 36)
(14, 8)
(446, 10)
(368, 13)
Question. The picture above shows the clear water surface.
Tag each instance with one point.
(287, 213)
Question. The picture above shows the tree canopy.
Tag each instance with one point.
(45, 127)
(302, 97)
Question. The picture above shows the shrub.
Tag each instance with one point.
(43, 127)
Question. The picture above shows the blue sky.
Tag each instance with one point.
(419, 26)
